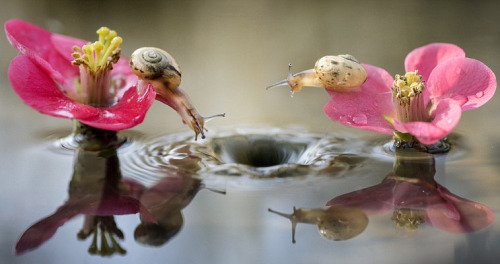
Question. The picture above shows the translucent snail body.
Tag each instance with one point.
(158, 68)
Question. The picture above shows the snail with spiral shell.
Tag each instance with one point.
(342, 73)
(157, 67)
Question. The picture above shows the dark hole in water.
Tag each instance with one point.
(258, 150)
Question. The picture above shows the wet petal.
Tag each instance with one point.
(426, 58)
(444, 119)
(366, 108)
(473, 216)
(37, 43)
(128, 112)
(40, 92)
(463, 78)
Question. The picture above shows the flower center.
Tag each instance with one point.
(95, 61)
(408, 99)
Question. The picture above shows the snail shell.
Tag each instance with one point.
(155, 64)
(342, 223)
(340, 71)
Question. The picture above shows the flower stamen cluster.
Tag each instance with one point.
(407, 93)
(101, 54)
(95, 61)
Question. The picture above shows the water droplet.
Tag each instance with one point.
(479, 94)
(360, 119)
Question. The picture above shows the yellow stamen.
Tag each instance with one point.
(407, 86)
(95, 61)
(101, 54)
(408, 99)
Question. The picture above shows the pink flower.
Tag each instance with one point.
(45, 79)
(451, 84)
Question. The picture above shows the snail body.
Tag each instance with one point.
(339, 73)
(158, 68)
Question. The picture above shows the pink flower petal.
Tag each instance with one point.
(128, 112)
(473, 216)
(445, 117)
(463, 78)
(40, 92)
(37, 43)
(365, 109)
(64, 45)
(426, 58)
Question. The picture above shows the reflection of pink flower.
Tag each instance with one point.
(439, 206)
(100, 205)
(45, 79)
(453, 83)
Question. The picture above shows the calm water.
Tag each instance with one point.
(229, 52)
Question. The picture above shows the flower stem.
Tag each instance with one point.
(94, 139)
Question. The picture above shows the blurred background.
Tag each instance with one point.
(229, 51)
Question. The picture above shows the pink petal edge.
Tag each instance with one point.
(128, 112)
(40, 92)
(37, 43)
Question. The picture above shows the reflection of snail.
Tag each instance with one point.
(334, 223)
(158, 68)
(158, 234)
(164, 201)
(339, 73)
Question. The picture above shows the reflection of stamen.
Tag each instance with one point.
(410, 219)
(103, 229)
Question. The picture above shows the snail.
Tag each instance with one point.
(334, 223)
(341, 73)
(157, 67)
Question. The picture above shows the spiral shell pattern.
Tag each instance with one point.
(153, 63)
